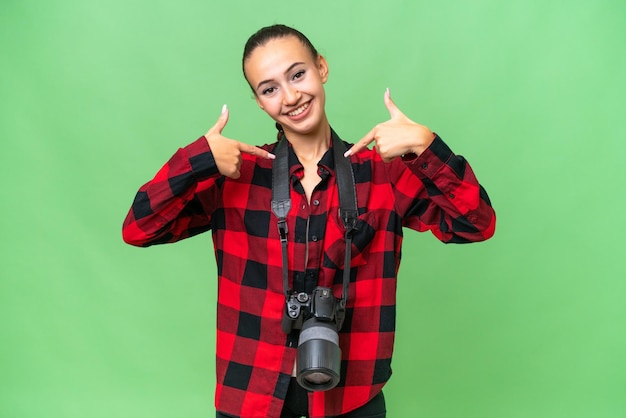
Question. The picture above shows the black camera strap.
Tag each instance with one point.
(348, 213)
(281, 201)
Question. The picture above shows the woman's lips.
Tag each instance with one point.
(300, 112)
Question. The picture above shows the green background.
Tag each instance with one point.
(96, 95)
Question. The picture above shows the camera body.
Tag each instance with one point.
(318, 316)
(320, 304)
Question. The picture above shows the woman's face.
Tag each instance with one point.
(289, 84)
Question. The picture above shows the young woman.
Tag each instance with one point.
(409, 179)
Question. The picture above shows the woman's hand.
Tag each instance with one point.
(227, 152)
(396, 137)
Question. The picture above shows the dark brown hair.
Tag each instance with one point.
(266, 34)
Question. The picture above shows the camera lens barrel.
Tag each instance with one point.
(319, 355)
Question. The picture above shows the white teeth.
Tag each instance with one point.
(299, 110)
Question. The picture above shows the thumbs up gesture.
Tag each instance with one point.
(227, 152)
(396, 137)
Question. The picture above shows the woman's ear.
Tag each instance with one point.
(322, 67)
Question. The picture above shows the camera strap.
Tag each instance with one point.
(348, 213)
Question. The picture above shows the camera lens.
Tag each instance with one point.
(318, 378)
(319, 355)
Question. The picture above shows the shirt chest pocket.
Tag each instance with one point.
(362, 239)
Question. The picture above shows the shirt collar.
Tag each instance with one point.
(326, 163)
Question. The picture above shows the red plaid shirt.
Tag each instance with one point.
(436, 191)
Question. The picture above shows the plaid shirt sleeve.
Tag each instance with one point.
(449, 201)
(178, 202)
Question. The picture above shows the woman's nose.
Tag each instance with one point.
(291, 96)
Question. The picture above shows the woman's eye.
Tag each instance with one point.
(268, 90)
(298, 74)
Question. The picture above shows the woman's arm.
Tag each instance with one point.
(178, 201)
(439, 192)
(434, 189)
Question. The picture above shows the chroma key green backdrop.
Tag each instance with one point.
(96, 95)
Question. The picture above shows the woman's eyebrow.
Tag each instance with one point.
(286, 71)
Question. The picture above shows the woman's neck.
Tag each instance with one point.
(310, 147)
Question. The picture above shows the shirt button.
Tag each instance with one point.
(451, 195)
(314, 238)
(316, 202)
(425, 166)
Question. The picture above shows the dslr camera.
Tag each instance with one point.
(319, 317)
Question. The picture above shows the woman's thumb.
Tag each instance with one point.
(223, 119)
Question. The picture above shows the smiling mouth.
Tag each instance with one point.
(299, 110)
